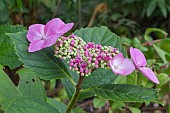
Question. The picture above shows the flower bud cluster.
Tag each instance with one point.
(85, 57)
(69, 47)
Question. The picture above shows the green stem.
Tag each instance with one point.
(136, 78)
(76, 95)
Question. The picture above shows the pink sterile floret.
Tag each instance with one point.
(121, 65)
(139, 61)
(42, 36)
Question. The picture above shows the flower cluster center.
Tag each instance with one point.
(84, 57)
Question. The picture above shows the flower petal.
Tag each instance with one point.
(65, 28)
(52, 26)
(137, 57)
(35, 46)
(125, 68)
(117, 60)
(148, 73)
(56, 25)
(51, 40)
(35, 32)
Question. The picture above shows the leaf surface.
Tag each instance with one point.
(127, 93)
(43, 63)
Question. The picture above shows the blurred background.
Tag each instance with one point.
(144, 24)
(128, 17)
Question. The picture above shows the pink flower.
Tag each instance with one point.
(139, 61)
(121, 65)
(42, 36)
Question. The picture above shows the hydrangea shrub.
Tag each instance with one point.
(87, 61)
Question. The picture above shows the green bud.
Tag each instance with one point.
(59, 39)
(59, 56)
(93, 50)
(86, 75)
(69, 40)
(89, 74)
(65, 53)
(69, 57)
(117, 51)
(94, 58)
(102, 61)
(114, 54)
(67, 45)
(95, 54)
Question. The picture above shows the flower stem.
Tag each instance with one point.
(76, 95)
(136, 78)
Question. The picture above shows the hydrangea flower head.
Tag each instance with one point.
(139, 61)
(42, 36)
(84, 57)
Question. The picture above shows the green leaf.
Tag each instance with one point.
(68, 87)
(166, 70)
(100, 35)
(78, 110)
(127, 93)
(161, 53)
(4, 16)
(49, 3)
(60, 106)
(162, 6)
(164, 90)
(52, 84)
(150, 30)
(165, 44)
(151, 7)
(117, 105)
(132, 78)
(98, 103)
(163, 79)
(167, 56)
(144, 82)
(150, 54)
(30, 85)
(19, 4)
(126, 41)
(7, 52)
(136, 42)
(97, 78)
(134, 110)
(11, 2)
(43, 62)
(30, 105)
(67, 84)
(8, 91)
(2, 5)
